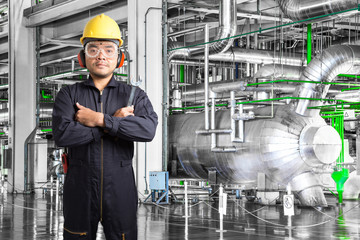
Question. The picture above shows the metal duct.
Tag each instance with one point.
(279, 71)
(303, 9)
(227, 25)
(333, 61)
(227, 28)
(183, 52)
(238, 86)
(285, 148)
(257, 57)
(350, 96)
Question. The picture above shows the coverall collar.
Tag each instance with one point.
(90, 82)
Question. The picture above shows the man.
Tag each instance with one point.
(93, 121)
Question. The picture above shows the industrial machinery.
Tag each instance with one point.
(257, 95)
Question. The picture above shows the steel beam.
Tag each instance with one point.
(73, 27)
(59, 11)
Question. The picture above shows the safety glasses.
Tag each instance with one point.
(108, 49)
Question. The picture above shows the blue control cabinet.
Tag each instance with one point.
(159, 186)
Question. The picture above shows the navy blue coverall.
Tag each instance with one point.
(100, 185)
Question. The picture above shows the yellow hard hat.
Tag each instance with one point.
(102, 27)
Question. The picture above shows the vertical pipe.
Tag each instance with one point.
(57, 195)
(165, 87)
(213, 135)
(309, 42)
(232, 112)
(182, 73)
(206, 77)
(358, 151)
(186, 200)
(248, 47)
(51, 186)
(221, 204)
(241, 125)
(214, 74)
(256, 43)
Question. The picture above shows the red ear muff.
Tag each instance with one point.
(81, 58)
(121, 59)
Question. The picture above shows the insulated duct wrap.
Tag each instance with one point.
(257, 57)
(227, 29)
(303, 9)
(284, 147)
(333, 61)
(279, 71)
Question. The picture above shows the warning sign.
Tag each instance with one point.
(288, 205)
(348, 114)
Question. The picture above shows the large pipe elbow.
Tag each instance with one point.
(333, 61)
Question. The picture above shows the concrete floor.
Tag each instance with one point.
(31, 217)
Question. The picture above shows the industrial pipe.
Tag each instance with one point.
(303, 9)
(227, 25)
(333, 61)
(288, 147)
(257, 57)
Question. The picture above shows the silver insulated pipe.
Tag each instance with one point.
(333, 61)
(286, 148)
(279, 71)
(303, 9)
(257, 57)
(227, 28)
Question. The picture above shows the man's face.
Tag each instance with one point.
(101, 58)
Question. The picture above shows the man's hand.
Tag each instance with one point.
(88, 117)
(124, 112)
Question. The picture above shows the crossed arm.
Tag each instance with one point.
(90, 118)
(73, 126)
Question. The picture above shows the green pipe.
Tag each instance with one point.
(120, 74)
(182, 73)
(349, 75)
(45, 96)
(270, 28)
(309, 43)
(348, 89)
(46, 130)
(340, 174)
(336, 105)
(332, 116)
(303, 81)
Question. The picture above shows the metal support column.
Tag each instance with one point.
(22, 89)
(145, 52)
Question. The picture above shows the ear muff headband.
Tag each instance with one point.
(121, 59)
(81, 59)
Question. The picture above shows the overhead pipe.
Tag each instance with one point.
(228, 27)
(257, 57)
(303, 9)
(333, 61)
(279, 71)
(238, 86)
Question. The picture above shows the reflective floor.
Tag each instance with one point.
(31, 217)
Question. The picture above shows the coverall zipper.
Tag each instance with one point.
(102, 164)
(76, 233)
